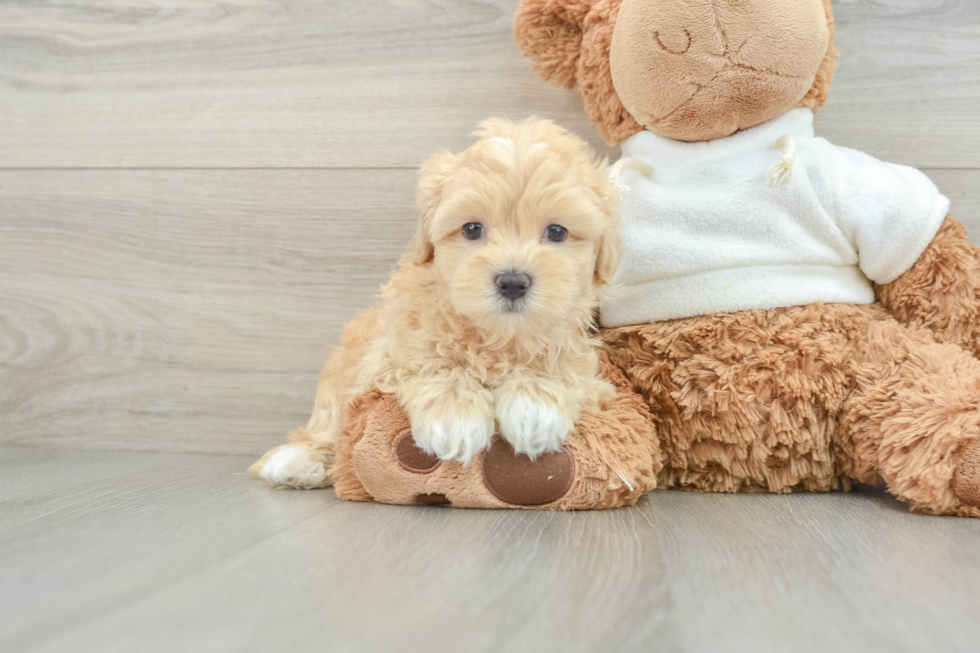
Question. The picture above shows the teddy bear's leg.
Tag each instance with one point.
(941, 292)
(913, 419)
(747, 401)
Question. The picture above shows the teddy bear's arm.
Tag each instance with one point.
(941, 292)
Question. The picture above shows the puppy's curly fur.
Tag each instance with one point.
(462, 357)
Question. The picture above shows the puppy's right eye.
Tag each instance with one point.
(473, 231)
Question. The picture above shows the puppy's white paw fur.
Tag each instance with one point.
(294, 467)
(532, 427)
(453, 439)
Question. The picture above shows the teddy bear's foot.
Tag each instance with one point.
(611, 459)
(966, 478)
(913, 420)
(511, 477)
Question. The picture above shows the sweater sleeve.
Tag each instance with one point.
(889, 212)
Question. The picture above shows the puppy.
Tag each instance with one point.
(487, 322)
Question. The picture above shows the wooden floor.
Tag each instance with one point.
(195, 195)
(145, 551)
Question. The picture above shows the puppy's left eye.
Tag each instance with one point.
(473, 231)
(556, 233)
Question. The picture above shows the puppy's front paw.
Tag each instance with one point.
(453, 438)
(532, 427)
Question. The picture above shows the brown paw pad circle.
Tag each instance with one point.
(966, 478)
(516, 479)
(413, 459)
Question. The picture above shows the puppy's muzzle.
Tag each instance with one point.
(513, 285)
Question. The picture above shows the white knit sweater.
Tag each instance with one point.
(705, 232)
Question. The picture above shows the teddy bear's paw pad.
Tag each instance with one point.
(516, 479)
(413, 459)
(433, 499)
(966, 478)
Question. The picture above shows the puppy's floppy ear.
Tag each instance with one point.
(609, 249)
(608, 256)
(432, 180)
(550, 33)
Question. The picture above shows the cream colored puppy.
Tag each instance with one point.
(487, 323)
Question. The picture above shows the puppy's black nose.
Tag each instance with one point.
(513, 285)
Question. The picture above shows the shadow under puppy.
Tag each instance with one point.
(487, 323)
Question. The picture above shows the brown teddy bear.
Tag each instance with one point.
(796, 315)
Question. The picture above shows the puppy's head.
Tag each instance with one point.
(521, 228)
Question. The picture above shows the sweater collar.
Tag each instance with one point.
(659, 151)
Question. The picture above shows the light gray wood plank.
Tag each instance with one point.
(908, 83)
(183, 310)
(962, 187)
(122, 551)
(192, 310)
(305, 83)
(295, 83)
(118, 526)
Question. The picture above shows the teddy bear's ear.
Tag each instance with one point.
(817, 95)
(550, 33)
(432, 180)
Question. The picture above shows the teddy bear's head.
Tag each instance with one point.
(690, 70)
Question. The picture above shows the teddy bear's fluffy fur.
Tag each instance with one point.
(812, 397)
(799, 398)
(459, 356)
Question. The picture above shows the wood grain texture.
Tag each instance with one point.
(192, 310)
(908, 81)
(141, 551)
(383, 83)
(183, 310)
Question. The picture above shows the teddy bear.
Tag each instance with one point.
(796, 316)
